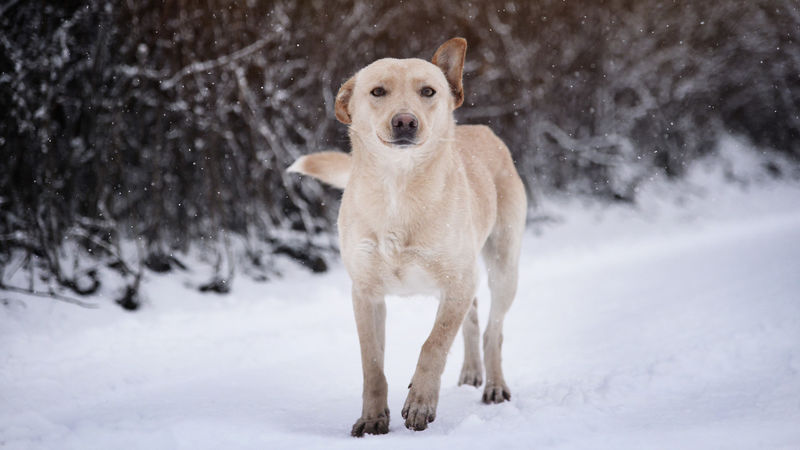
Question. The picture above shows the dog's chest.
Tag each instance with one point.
(406, 268)
(410, 279)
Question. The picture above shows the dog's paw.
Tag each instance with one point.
(371, 425)
(496, 393)
(471, 376)
(420, 409)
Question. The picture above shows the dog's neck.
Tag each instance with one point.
(407, 180)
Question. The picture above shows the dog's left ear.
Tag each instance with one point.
(450, 58)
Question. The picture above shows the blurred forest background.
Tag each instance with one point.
(134, 132)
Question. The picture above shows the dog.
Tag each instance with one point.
(423, 198)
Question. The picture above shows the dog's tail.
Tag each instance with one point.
(329, 167)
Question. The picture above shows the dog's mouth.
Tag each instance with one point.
(402, 142)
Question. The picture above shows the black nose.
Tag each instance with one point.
(404, 126)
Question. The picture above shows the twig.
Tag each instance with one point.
(214, 63)
(52, 295)
(7, 6)
(195, 67)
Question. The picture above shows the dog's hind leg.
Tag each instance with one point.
(472, 370)
(501, 255)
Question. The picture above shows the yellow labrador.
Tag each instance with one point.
(422, 199)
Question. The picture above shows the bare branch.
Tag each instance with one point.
(52, 295)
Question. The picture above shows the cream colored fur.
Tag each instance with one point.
(415, 218)
(330, 167)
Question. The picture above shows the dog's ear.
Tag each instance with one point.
(450, 58)
(342, 107)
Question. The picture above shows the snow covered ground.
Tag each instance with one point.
(671, 325)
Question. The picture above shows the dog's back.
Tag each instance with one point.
(487, 159)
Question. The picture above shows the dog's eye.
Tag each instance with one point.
(378, 92)
(427, 92)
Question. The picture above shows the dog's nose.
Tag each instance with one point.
(404, 126)
(404, 121)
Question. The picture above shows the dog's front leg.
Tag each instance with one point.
(423, 395)
(370, 311)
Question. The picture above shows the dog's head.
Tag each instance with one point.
(404, 104)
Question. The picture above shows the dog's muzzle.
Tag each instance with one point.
(404, 129)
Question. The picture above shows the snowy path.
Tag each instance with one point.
(656, 328)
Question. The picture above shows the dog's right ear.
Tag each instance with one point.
(342, 108)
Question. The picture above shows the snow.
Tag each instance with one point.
(672, 324)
